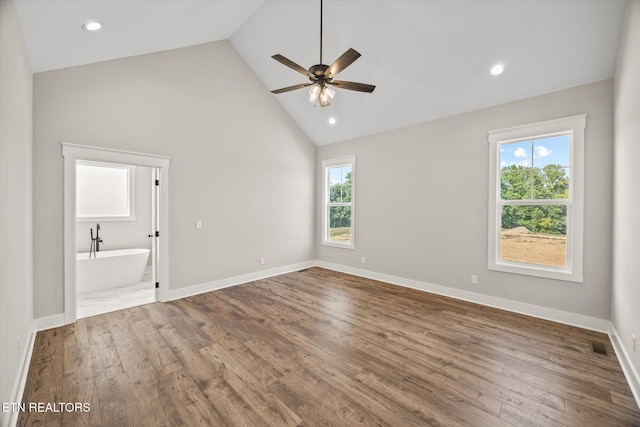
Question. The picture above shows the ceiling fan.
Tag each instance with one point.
(322, 75)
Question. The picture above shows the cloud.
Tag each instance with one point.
(542, 151)
(520, 152)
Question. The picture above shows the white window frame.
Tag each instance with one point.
(326, 165)
(131, 181)
(574, 126)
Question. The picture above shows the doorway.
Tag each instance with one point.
(114, 228)
(158, 169)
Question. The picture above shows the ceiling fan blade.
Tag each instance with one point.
(341, 63)
(289, 88)
(360, 87)
(289, 63)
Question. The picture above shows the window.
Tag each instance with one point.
(338, 194)
(104, 192)
(536, 199)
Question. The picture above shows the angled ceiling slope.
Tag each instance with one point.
(428, 59)
(55, 39)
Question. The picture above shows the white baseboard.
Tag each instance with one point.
(188, 291)
(568, 318)
(629, 370)
(21, 378)
(573, 319)
(49, 322)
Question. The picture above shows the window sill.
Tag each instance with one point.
(537, 271)
(106, 219)
(339, 245)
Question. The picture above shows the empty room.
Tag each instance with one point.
(319, 212)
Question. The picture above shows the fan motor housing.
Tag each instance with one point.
(318, 71)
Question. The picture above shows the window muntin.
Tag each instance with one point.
(104, 192)
(338, 206)
(536, 199)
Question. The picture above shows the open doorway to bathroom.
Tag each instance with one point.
(116, 214)
(115, 217)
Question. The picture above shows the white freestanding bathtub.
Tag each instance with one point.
(110, 269)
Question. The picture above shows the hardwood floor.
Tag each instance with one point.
(323, 348)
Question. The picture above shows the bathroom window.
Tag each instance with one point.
(105, 192)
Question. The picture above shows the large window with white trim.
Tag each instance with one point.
(105, 192)
(338, 194)
(536, 199)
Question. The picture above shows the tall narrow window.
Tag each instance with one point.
(338, 201)
(105, 192)
(536, 191)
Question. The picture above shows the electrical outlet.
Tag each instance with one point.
(261, 261)
(198, 224)
(633, 343)
(363, 260)
(474, 279)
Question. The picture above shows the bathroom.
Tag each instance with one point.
(113, 237)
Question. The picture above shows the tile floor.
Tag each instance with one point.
(94, 303)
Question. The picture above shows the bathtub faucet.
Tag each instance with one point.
(92, 250)
(95, 242)
(98, 239)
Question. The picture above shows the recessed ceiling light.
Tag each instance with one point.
(497, 69)
(332, 120)
(92, 26)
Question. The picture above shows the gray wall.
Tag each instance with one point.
(16, 238)
(123, 234)
(239, 163)
(421, 202)
(625, 314)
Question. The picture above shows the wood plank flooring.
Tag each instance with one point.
(320, 348)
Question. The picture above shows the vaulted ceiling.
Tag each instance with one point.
(428, 59)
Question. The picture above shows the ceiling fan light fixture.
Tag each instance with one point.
(326, 95)
(314, 92)
(321, 94)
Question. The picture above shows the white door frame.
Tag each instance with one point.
(73, 152)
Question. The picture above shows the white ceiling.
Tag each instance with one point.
(55, 39)
(428, 59)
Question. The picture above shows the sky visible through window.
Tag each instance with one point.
(538, 153)
(338, 175)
